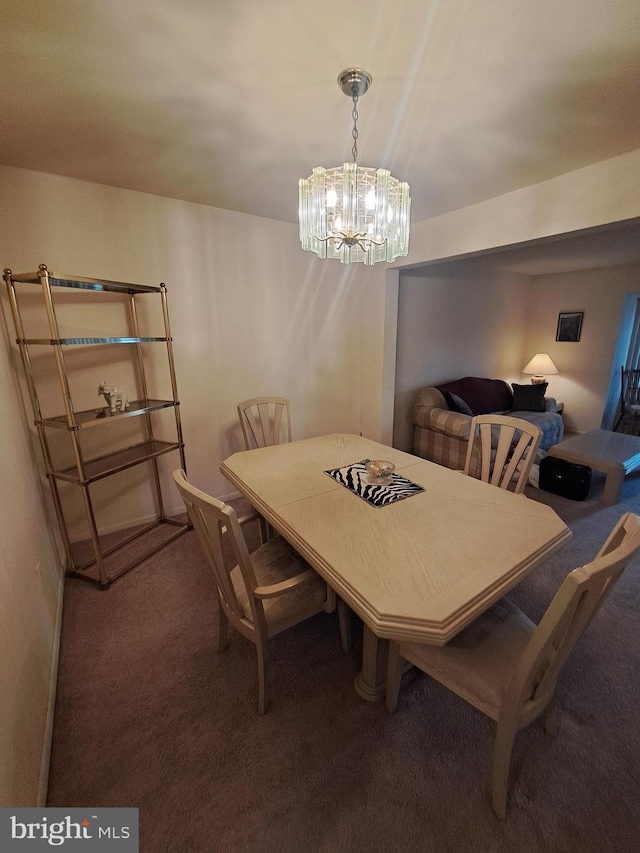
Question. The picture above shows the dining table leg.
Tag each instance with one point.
(371, 681)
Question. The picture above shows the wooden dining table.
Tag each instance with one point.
(419, 569)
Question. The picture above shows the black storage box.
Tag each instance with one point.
(565, 478)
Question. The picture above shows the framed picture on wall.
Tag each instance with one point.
(569, 326)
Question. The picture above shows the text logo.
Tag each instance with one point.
(86, 830)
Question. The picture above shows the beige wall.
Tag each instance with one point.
(455, 320)
(30, 598)
(604, 193)
(471, 318)
(600, 194)
(584, 367)
(251, 314)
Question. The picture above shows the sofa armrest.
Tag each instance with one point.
(551, 404)
(428, 398)
(454, 424)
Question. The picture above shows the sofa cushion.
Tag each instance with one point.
(550, 423)
(529, 398)
(481, 395)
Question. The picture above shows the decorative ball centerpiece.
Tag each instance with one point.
(380, 471)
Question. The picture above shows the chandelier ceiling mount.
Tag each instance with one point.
(354, 82)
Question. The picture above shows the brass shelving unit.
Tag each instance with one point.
(87, 470)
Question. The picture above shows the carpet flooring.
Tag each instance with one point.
(148, 715)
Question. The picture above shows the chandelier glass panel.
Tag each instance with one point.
(350, 212)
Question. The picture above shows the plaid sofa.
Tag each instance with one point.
(442, 435)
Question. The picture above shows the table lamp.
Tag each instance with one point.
(541, 366)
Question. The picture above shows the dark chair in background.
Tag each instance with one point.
(628, 420)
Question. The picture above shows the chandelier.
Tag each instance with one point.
(350, 212)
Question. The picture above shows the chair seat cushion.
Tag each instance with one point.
(273, 562)
(478, 663)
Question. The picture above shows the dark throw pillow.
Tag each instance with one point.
(460, 405)
(456, 404)
(528, 398)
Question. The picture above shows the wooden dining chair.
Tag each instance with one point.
(507, 448)
(262, 593)
(265, 421)
(506, 666)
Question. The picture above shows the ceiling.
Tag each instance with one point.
(229, 102)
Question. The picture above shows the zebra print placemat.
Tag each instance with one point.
(355, 478)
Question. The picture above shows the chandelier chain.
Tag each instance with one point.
(354, 132)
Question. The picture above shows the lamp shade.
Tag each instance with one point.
(540, 365)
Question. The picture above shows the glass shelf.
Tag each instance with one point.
(73, 341)
(95, 417)
(112, 463)
(87, 283)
